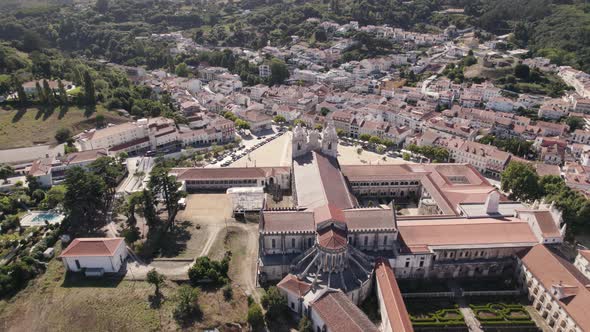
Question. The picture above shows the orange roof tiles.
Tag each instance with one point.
(551, 270)
(399, 319)
(293, 285)
(457, 231)
(92, 247)
(340, 314)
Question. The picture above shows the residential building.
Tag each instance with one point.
(95, 256)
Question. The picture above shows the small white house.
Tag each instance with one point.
(95, 255)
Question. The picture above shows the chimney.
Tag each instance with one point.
(492, 202)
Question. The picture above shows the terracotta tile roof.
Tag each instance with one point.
(318, 182)
(399, 319)
(227, 173)
(332, 238)
(340, 314)
(83, 156)
(292, 284)
(551, 270)
(369, 218)
(461, 231)
(547, 224)
(328, 212)
(288, 221)
(92, 247)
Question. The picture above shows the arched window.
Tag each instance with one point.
(330, 146)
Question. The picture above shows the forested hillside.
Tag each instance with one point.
(557, 29)
(108, 29)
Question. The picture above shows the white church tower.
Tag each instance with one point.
(330, 140)
(299, 142)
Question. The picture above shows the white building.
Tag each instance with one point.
(582, 262)
(95, 255)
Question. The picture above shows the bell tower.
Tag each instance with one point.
(330, 140)
(299, 142)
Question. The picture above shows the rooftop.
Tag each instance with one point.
(92, 247)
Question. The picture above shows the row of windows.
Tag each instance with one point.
(393, 183)
(352, 240)
(464, 254)
(201, 182)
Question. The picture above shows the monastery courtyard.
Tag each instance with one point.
(278, 153)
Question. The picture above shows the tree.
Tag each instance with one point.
(278, 72)
(241, 124)
(364, 137)
(182, 70)
(84, 200)
(168, 188)
(48, 93)
(521, 181)
(149, 208)
(89, 91)
(31, 41)
(156, 279)
(102, 6)
(6, 171)
(575, 122)
(55, 196)
(374, 140)
(279, 119)
(100, 121)
(62, 135)
(206, 269)
(324, 111)
(38, 195)
(522, 71)
(275, 303)
(255, 317)
(63, 95)
(305, 325)
(22, 95)
(187, 303)
(40, 93)
(111, 171)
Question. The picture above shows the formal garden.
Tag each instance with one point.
(495, 315)
(434, 313)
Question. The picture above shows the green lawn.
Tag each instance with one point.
(33, 126)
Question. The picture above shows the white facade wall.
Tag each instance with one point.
(583, 265)
(107, 263)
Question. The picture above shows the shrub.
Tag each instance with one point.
(228, 292)
(275, 303)
(255, 317)
(187, 303)
(206, 269)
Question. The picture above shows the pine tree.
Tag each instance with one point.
(89, 92)
(22, 95)
(48, 93)
(63, 95)
(40, 93)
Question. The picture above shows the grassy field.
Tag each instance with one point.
(33, 126)
(53, 302)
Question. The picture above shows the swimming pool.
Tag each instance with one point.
(38, 218)
(41, 217)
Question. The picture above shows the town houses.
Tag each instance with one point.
(330, 249)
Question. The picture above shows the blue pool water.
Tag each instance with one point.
(41, 217)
